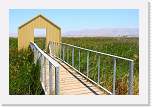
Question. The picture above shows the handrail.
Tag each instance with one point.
(56, 64)
(97, 52)
(38, 53)
(61, 46)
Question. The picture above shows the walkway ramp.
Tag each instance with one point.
(59, 77)
(72, 83)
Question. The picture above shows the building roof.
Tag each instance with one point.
(42, 18)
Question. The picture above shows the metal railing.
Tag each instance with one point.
(43, 59)
(58, 50)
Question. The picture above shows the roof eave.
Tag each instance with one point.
(36, 18)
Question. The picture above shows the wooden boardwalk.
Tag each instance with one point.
(69, 81)
(72, 83)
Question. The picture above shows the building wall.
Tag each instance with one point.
(26, 33)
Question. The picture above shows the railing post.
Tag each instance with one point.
(98, 69)
(53, 49)
(50, 78)
(56, 48)
(67, 54)
(38, 55)
(79, 59)
(57, 81)
(49, 48)
(104, 72)
(60, 50)
(63, 52)
(44, 74)
(87, 63)
(41, 72)
(35, 56)
(131, 78)
(73, 56)
(114, 76)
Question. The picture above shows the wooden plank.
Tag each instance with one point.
(72, 83)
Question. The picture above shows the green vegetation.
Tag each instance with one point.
(125, 47)
(21, 63)
(23, 73)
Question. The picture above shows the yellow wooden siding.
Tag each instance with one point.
(26, 33)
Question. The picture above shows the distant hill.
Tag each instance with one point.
(107, 32)
(13, 34)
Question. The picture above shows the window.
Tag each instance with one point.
(40, 32)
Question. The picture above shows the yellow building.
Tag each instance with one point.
(26, 31)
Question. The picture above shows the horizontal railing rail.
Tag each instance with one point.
(41, 56)
(96, 52)
(58, 50)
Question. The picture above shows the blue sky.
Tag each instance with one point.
(77, 19)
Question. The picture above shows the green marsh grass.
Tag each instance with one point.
(120, 46)
(23, 73)
(125, 47)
